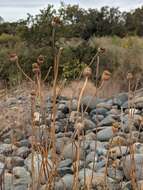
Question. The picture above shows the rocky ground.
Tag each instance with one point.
(111, 130)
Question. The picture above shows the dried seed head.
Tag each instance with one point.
(56, 21)
(87, 72)
(40, 59)
(36, 70)
(35, 66)
(106, 75)
(61, 48)
(13, 57)
(101, 50)
(115, 127)
(33, 93)
(129, 76)
(79, 126)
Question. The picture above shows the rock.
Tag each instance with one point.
(97, 165)
(115, 174)
(114, 111)
(73, 105)
(133, 123)
(90, 136)
(7, 149)
(23, 142)
(13, 162)
(64, 170)
(138, 101)
(63, 108)
(60, 115)
(138, 148)
(90, 102)
(65, 183)
(107, 121)
(70, 151)
(99, 111)
(82, 173)
(2, 168)
(118, 151)
(19, 134)
(106, 105)
(23, 152)
(65, 163)
(88, 124)
(98, 182)
(141, 137)
(128, 166)
(8, 181)
(60, 144)
(37, 161)
(17, 161)
(21, 176)
(97, 118)
(98, 147)
(21, 187)
(7, 140)
(120, 99)
(105, 134)
(140, 185)
(91, 157)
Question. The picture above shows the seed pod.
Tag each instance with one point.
(13, 57)
(115, 127)
(87, 72)
(56, 21)
(101, 50)
(129, 76)
(35, 66)
(36, 70)
(33, 93)
(106, 75)
(40, 59)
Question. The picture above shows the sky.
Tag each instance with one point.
(13, 10)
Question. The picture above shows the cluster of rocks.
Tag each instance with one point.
(110, 145)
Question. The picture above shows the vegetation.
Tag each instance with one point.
(80, 32)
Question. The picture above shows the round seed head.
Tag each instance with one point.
(115, 127)
(33, 93)
(129, 76)
(106, 75)
(35, 66)
(101, 50)
(13, 57)
(87, 72)
(56, 21)
(40, 59)
(36, 70)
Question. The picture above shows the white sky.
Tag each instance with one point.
(12, 10)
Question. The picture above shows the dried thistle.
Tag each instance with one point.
(40, 60)
(13, 57)
(87, 72)
(129, 76)
(35, 68)
(101, 50)
(106, 75)
(115, 127)
(56, 21)
(33, 93)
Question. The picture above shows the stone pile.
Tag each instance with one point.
(111, 143)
